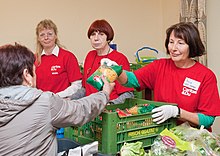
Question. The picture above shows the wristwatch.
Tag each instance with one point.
(178, 115)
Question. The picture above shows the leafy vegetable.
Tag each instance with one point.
(133, 149)
(203, 142)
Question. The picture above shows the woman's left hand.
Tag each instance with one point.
(162, 113)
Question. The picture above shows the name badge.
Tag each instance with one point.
(192, 84)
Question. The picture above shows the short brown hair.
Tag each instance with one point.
(101, 26)
(190, 34)
(13, 60)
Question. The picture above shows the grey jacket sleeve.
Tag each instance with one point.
(79, 94)
(77, 112)
(122, 98)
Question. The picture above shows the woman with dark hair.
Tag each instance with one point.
(101, 34)
(30, 117)
(179, 79)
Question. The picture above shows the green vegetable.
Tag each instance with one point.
(203, 142)
(133, 149)
(145, 109)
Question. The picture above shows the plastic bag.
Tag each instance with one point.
(184, 131)
(185, 140)
(110, 72)
(207, 143)
(133, 149)
(168, 143)
(86, 150)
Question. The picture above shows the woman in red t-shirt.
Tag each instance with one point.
(57, 69)
(180, 79)
(101, 34)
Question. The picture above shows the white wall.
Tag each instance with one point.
(136, 22)
(213, 33)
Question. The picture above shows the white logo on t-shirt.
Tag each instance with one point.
(190, 86)
(54, 69)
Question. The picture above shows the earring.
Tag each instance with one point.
(30, 84)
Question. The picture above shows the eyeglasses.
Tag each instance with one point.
(43, 35)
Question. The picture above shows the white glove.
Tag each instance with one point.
(108, 62)
(162, 113)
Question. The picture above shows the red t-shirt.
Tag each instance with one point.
(194, 89)
(56, 73)
(92, 63)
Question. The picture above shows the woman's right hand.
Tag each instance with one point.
(108, 87)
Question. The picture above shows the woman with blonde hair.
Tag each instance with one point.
(57, 69)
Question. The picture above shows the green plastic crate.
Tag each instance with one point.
(138, 95)
(134, 66)
(112, 132)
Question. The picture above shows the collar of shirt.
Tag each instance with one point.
(54, 52)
